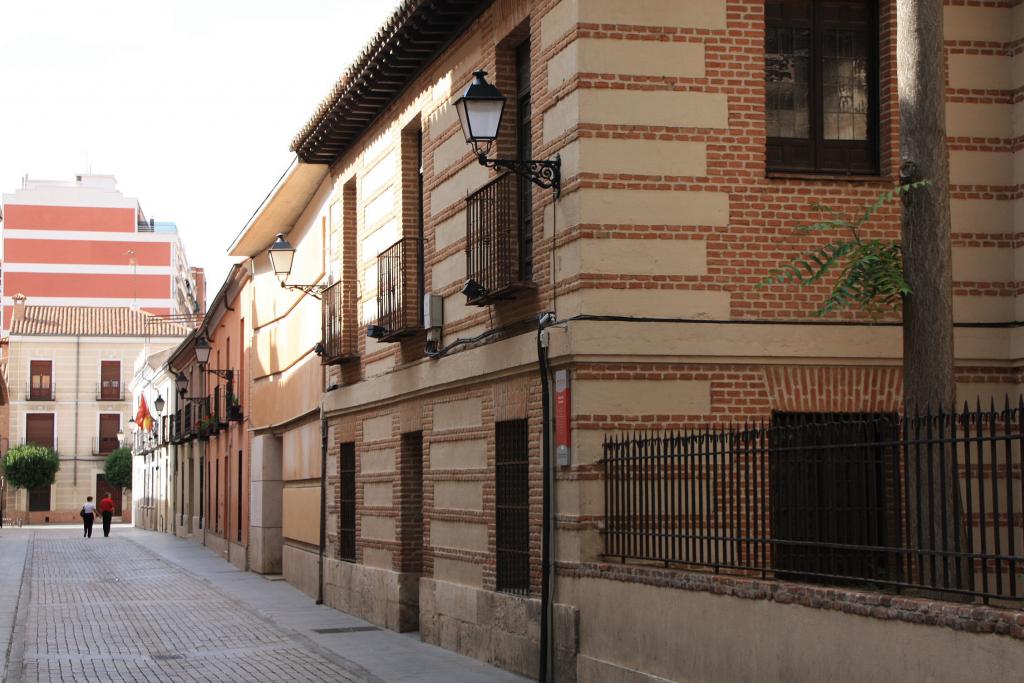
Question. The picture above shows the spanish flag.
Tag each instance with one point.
(142, 418)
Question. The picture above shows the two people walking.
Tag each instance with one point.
(106, 509)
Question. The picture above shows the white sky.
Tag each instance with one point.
(191, 104)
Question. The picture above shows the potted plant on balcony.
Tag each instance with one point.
(206, 428)
(234, 409)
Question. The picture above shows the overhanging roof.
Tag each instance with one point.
(408, 42)
(280, 209)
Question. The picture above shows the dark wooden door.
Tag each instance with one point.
(40, 380)
(39, 431)
(109, 426)
(110, 380)
(103, 488)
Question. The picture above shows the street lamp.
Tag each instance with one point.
(159, 404)
(480, 109)
(282, 254)
(181, 383)
(203, 349)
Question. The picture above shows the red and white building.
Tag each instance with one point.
(83, 243)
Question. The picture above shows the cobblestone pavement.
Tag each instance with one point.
(108, 609)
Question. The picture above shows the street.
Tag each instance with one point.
(140, 606)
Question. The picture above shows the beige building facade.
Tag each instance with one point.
(72, 367)
(397, 380)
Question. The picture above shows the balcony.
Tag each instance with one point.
(495, 268)
(107, 391)
(47, 393)
(339, 329)
(398, 305)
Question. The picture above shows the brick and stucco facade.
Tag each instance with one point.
(668, 218)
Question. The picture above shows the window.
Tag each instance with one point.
(347, 524)
(524, 150)
(110, 425)
(39, 499)
(110, 380)
(411, 504)
(39, 429)
(40, 386)
(830, 500)
(512, 506)
(238, 501)
(821, 64)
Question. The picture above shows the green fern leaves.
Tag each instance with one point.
(870, 270)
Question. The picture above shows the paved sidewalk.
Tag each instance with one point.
(143, 606)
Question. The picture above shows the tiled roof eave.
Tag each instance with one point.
(399, 51)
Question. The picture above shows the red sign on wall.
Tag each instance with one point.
(563, 407)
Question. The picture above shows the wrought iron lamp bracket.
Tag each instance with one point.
(315, 291)
(546, 173)
(223, 374)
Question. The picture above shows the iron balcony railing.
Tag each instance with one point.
(109, 392)
(48, 393)
(339, 329)
(494, 250)
(25, 442)
(105, 445)
(927, 503)
(398, 304)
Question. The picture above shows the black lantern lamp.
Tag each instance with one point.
(480, 109)
(202, 347)
(159, 404)
(181, 383)
(282, 254)
(203, 350)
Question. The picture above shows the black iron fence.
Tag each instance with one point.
(339, 332)
(922, 503)
(397, 289)
(493, 248)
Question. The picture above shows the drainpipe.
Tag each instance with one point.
(78, 372)
(323, 506)
(546, 526)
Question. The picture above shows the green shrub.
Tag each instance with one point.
(118, 468)
(30, 466)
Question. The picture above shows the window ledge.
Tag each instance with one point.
(828, 177)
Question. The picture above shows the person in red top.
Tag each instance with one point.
(107, 510)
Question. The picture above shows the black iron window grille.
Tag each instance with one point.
(909, 504)
(398, 305)
(494, 236)
(347, 518)
(339, 333)
(512, 506)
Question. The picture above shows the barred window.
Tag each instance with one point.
(347, 530)
(512, 506)
(821, 75)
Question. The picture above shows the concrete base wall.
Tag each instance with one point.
(500, 629)
(301, 569)
(381, 596)
(217, 545)
(265, 550)
(650, 634)
(238, 555)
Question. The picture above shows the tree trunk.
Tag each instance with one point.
(928, 380)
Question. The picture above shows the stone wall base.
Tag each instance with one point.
(300, 568)
(216, 544)
(381, 596)
(497, 628)
(265, 549)
(238, 555)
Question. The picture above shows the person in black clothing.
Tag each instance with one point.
(88, 514)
